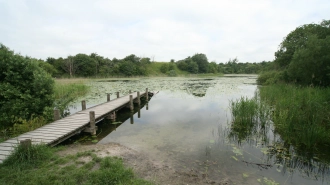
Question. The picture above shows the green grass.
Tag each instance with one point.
(154, 69)
(40, 164)
(301, 114)
(67, 90)
(70, 87)
(249, 118)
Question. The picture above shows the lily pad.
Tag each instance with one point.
(237, 151)
(264, 150)
(95, 141)
(245, 175)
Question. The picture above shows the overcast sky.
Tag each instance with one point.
(250, 30)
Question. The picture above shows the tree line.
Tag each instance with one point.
(199, 63)
(83, 65)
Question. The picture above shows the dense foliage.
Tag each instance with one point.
(303, 57)
(26, 89)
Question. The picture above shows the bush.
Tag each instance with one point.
(271, 77)
(164, 68)
(26, 89)
(171, 73)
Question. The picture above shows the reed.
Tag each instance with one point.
(249, 117)
(67, 90)
(300, 114)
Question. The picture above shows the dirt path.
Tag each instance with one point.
(145, 166)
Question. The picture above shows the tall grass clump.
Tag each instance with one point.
(300, 114)
(249, 116)
(28, 155)
(67, 90)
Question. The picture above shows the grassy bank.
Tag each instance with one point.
(154, 69)
(40, 164)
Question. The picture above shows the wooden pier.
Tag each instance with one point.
(82, 121)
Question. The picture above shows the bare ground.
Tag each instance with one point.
(147, 167)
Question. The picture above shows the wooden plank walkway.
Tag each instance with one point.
(60, 130)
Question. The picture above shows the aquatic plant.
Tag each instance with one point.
(249, 117)
(300, 114)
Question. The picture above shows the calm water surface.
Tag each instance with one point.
(187, 123)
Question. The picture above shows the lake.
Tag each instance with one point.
(187, 124)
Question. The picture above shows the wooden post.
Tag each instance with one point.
(92, 122)
(129, 91)
(147, 96)
(147, 106)
(139, 112)
(138, 98)
(25, 143)
(56, 114)
(113, 116)
(117, 94)
(131, 106)
(131, 119)
(83, 105)
(108, 97)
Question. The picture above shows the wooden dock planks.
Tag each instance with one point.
(57, 131)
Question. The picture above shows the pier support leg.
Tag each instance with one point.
(108, 97)
(112, 116)
(139, 112)
(56, 114)
(131, 106)
(131, 119)
(117, 94)
(147, 95)
(92, 122)
(138, 98)
(25, 143)
(83, 105)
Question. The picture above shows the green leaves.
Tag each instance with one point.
(26, 89)
(304, 54)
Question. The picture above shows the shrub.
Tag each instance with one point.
(271, 77)
(26, 88)
(171, 73)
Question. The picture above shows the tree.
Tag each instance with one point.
(164, 68)
(201, 61)
(297, 39)
(127, 68)
(87, 66)
(310, 65)
(70, 66)
(193, 67)
(26, 89)
(213, 67)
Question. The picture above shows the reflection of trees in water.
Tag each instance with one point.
(198, 87)
(287, 157)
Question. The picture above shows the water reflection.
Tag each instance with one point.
(286, 158)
